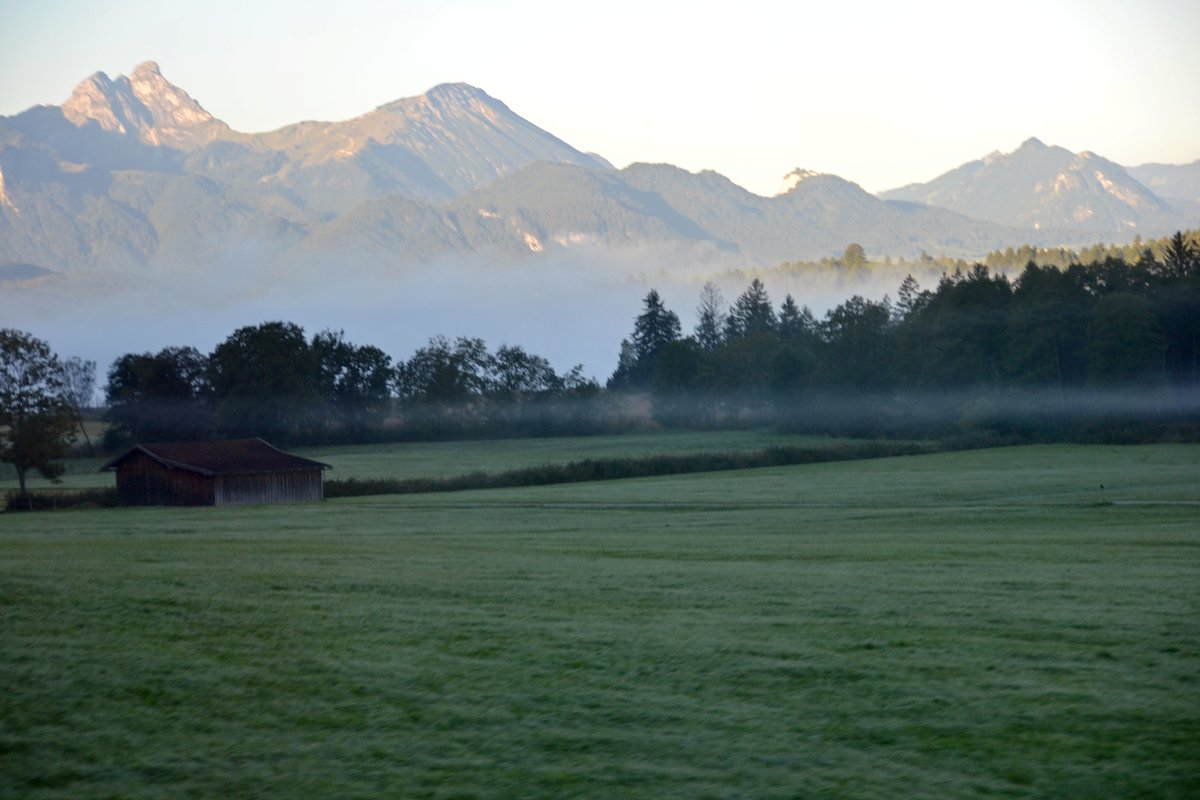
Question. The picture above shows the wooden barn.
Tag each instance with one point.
(238, 472)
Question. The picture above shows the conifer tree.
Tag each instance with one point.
(654, 327)
(791, 323)
(751, 313)
(711, 318)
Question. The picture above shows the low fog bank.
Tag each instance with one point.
(971, 408)
(572, 307)
(949, 420)
(1100, 414)
(977, 417)
(567, 316)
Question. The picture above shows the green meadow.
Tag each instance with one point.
(986, 623)
(408, 460)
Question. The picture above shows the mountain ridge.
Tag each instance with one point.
(1045, 186)
(144, 104)
(1171, 181)
(132, 174)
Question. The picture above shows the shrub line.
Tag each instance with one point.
(606, 469)
(590, 469)
(60, 500)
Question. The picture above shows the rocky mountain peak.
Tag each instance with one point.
(447, 98)
(95, 99)
(170, 107)
(145, 105)
(1046, 187)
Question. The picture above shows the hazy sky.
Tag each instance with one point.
(881, 93)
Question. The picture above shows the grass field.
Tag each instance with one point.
(972, 624)
(449, 459)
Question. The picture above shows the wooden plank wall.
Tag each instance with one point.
(144, 482)
(276, 487)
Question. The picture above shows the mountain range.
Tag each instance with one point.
(1041, 186)
(133, 175)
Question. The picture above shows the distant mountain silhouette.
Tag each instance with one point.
(1172, 182)
(1045, 187)
(133, 175)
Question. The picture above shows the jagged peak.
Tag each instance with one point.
(99, 77)
(93, 100)
(1032, 143)
(91, 89)
(144, 103)
(169, 104)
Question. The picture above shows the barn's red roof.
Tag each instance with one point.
(234, 457)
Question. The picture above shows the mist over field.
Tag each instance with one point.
(152, 223)
(468, 399)
(569, 308)
(398, 312)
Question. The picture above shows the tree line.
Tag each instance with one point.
(270, 380)
(854, 268)
(1107, 324)
(974, 336)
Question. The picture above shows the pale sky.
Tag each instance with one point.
(880, 93)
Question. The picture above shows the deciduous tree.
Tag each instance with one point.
(157, 397)
(79, 387)
(441, 372)
(855, 257)
(521, 374)
(354, 382)
(35, 418)
(263, 380)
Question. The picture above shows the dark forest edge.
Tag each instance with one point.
(1042, 341)
(1103, 351)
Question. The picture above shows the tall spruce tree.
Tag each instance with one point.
(751, 313)
(1181, 257)
(909, 298)
(791, 319)
(654, 327)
